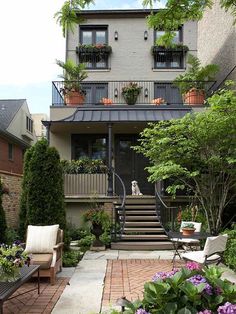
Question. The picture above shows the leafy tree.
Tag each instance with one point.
(3, 224)
(23, 220)
(197, 152)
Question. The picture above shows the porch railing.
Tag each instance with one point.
(150, 90)
(85, 184)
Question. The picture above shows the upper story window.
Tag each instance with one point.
(93, 49)
(172, 58)
(10, 151)
(29, 124)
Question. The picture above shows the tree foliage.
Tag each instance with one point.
(42, 199)
(197, 152)
(3, 224)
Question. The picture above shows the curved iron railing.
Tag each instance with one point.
(119, 219)
(166, 214)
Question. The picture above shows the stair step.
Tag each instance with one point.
(144, 230)
(141, 218)
(144, 237)
(142, 223)
(138, 212)
(146, 246)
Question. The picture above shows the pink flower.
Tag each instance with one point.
(193, 266)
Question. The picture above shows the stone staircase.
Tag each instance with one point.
(142, 230)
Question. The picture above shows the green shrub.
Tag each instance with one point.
(86, 242)
(71, 258)
(11, 236)
(83, 165)
(230, 252)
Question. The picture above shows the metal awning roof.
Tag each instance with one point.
(115, 114)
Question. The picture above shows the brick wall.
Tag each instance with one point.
(16, 164)
(11, 202)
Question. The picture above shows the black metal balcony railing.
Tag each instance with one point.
(151, 92)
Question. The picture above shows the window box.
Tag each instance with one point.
(177, 48)
(93, 49)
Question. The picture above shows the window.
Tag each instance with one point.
(92, 146)
(94, 93)
(94, 35)
(10, 151)
(29, 124)
(168, 58)
(168, 92)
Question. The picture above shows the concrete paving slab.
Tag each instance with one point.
(66, 272)
(108, 254)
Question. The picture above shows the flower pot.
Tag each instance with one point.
(97, 230)
(74, 98)
(188, 231)
(131, 98)
(194, 97)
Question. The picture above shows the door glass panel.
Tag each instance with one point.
(99, 146)
(86, 37)
(100, 37)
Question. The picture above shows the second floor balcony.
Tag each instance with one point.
(100, 93)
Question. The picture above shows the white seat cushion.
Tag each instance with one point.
(187, 240)
(199, 257)
(41, 239)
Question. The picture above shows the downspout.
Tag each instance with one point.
(110, 178)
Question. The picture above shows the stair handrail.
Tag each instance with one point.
(160, 212)
(122, 206)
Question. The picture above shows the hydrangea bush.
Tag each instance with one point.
(189, 290)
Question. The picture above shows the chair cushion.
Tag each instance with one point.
(44, 260)
(41, 239)
(199, 257)
(187, 240)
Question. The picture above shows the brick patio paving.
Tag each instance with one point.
(31, 302)
(127, 278)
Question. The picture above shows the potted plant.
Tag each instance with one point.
(158, 101)
(100, 221)
(192, 83)
(106, 101)
(188, 229)
(73, 75)
(131, 92)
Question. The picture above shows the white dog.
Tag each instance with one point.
(135, 188)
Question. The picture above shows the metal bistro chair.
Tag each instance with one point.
(212, 252)
(188, 243)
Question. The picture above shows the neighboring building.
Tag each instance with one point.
(39, 128)
(16, 135)
(217, 42)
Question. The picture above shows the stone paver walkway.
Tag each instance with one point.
(31, 302)
(127, 278)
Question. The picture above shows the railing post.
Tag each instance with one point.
(110, 177)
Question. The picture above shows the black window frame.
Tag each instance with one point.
(169, 88)
(29, 124)
(93, 57)
(169, 53)
(94, 87)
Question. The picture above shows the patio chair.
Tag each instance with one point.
(45, 245)
(189, 243)
(212, 252)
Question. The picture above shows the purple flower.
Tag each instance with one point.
(227, 308)
(141, 311)
(205, 312)
(193, 266)
(197, 280)
(162, 275)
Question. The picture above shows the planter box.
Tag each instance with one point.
(85, 184)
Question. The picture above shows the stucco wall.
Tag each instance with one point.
(131, 57)
(217, 41)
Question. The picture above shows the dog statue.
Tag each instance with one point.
(135, 188)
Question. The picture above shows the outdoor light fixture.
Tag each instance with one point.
(116, 92)
(145, 35)
(116, 35)
(146, 92)
(123, 302)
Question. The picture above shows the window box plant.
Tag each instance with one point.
(192, 83)
(188, 229)
(174, 48)
(73, 75)
(94, 49)
(131, 92)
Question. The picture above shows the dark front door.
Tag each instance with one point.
(130, 165)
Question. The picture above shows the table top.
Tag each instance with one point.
(195, 235)
(7, 288)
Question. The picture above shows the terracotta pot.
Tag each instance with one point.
(187, 231)
(194, 97)
(74, 98)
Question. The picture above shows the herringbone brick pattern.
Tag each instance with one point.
(127, 278)
(31, 302)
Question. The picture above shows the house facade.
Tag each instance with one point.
(39, 128)
(127, 55)
(16, 135)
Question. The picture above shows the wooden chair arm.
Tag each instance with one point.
(58, 246)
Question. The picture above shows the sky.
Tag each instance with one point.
(31, 41)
